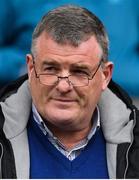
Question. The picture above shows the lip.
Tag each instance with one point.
(63, 100)
(64, 103)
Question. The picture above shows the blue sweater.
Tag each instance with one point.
(47, 162)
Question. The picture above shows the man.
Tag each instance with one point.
(62, 121)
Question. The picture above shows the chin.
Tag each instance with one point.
(62, 114)
(62, 117)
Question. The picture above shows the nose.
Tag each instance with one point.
(64, 85)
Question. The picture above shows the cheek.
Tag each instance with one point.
(39, 93)
(84, 95)
(94, 91)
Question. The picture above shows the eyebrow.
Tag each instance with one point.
(50, 62)
(74, 65)
(83, 66)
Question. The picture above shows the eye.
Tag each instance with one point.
(80, 72)
(50, 69)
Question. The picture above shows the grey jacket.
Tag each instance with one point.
(117, 121)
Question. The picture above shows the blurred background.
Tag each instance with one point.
(120, 17)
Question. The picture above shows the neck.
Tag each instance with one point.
(70, 138)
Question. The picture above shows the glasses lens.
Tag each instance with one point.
(78, 80)
(48, 79)
(51, 79)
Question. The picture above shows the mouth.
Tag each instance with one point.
(64, 103)
(63, 100)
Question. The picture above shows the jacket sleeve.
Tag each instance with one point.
(133, 158)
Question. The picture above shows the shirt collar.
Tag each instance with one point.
(46, 131)
(96, 123)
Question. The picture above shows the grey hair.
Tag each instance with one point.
(72, 25)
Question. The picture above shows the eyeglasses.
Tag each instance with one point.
(74, 80)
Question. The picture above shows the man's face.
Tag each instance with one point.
(63, 105)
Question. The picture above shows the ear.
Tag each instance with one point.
(30, 66)
(107, 74)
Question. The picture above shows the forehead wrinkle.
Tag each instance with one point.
(70, 51)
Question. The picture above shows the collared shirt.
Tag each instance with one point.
(75, 151)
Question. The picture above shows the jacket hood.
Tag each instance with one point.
(115, 118)
(16, 110)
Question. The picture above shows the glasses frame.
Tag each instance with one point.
(65, 77)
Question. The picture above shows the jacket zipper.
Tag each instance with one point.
(132, 139)
(1, 160)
